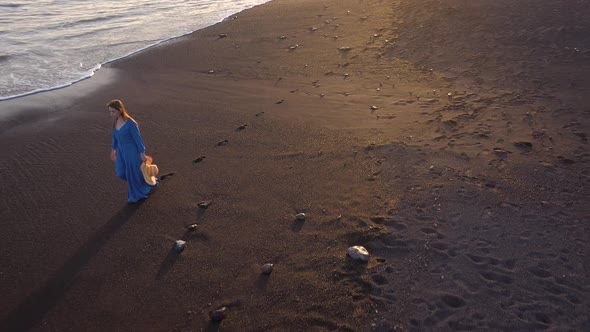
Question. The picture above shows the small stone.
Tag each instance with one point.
(300, 216)
(344, 48)
(222, 35)
(204, 204)
(358, 253)
(218, 315)
(267, 268)
(211, 71)
(313, 29)
(283, 37)
(192, 227)
(374, 108)
(501, 152)
(293, 47)
(179, 245)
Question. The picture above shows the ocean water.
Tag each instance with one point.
(47, 44)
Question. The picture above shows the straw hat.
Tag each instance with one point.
(149, 171)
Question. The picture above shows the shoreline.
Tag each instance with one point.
(99, 66)
(466, 182)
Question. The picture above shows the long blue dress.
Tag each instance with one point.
(129, 145)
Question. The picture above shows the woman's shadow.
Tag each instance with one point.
(31, 311)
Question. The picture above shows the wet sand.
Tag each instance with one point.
(467, 181)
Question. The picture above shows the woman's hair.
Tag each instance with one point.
(118, 105)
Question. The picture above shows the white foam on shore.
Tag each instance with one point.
(90, 73)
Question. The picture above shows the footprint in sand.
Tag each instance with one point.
(499, 164)
(166, 175)
(280, 101)
(199, 159)
(242, 127)
(224, 142)
(523, 146)
(565, 160)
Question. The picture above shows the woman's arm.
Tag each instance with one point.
(114, 146)
(138, 140)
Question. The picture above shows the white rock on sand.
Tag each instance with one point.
(300, 216)
(179, 245)
(359, 253)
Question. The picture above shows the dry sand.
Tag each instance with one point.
(473, 206)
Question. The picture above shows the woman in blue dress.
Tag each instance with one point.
(128, 152)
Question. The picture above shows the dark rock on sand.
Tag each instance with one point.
(218, 315)
(267, 268)
(501, 153)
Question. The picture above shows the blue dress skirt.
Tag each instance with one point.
(129, 145)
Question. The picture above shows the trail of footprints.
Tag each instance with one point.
(505, 261)
(504, 284)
